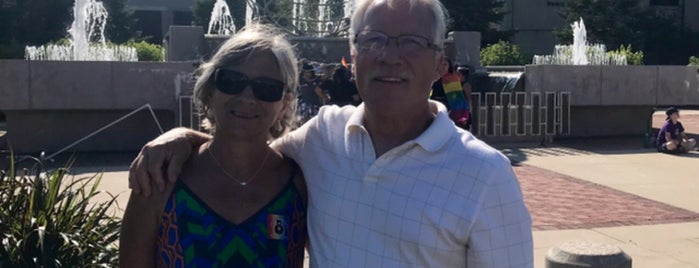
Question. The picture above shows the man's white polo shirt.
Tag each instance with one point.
(444, 199)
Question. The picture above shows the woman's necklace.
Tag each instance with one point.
(242, 183)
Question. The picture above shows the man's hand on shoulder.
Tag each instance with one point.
(162, 158)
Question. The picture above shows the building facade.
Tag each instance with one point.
(535, 20)
(154, 17)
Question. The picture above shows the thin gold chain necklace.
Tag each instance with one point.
(242, 183)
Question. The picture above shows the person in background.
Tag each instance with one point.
(237, 202)
(311, 96)
(464, 73)
(449, 84)
(671, 137)
(391, 182)
(341, 89)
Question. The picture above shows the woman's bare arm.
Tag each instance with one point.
(161, 159)
(139, 229)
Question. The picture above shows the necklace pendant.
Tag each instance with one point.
(243, 183)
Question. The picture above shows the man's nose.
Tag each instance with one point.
(391, 53)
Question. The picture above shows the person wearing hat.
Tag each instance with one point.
(671, 137)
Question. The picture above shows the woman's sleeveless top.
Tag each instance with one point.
(193, 235)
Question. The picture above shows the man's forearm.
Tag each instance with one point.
(196, 137)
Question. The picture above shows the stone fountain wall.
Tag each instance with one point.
(616, 100)
(50, 104)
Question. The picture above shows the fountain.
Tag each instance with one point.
(221, 21)
(321, 23)
(580, 52)
(579, 48)
(87, 41)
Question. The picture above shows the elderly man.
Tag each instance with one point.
(391, 183)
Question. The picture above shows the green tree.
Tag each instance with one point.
(37, 22)
(616, 22)
(609, 22)
(120, 23)
(32, 22)
(478, 15)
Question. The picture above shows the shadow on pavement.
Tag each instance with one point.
(520, 152)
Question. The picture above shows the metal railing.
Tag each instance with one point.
(520, 113)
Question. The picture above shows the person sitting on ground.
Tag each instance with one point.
(671, 137)
(237, 202)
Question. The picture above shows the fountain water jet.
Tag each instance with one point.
(221, 21)
(579, 43)
(87, 41)
(580, 52)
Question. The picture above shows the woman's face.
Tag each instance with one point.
(243, 114)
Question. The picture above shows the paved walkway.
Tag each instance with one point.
(644, 202)
(650, 198)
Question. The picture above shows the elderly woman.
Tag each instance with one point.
(237, 202)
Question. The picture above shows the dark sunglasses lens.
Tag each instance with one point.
(230, 82)
(268, 89)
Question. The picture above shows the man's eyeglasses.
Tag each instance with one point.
(375, 41)
(232, 83)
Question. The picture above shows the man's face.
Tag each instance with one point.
(395, 79)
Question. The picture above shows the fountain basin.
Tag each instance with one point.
(50, 104)
(616, 100)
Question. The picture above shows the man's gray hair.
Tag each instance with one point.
(248, 43)
(439, 13)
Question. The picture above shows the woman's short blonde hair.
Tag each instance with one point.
(252, 40)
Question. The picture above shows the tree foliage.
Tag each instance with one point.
(120, 23)
(478, 15)
(609, 22)
(502, 53)
(693, 61)
(37, 22)
(632, 22)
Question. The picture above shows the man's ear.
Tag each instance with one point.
(441, 65)
(353, 57)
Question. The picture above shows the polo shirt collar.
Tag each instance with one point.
(356, 120)
(439, 132)
(433, 138)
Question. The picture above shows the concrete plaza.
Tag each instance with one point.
(647, 203)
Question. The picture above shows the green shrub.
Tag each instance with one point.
(47, 221)
(147, 51)
(502, 53)
(632, 58)
(693, 61)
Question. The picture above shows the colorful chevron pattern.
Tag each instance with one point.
(193, 235)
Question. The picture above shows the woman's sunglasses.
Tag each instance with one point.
(232, 83)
